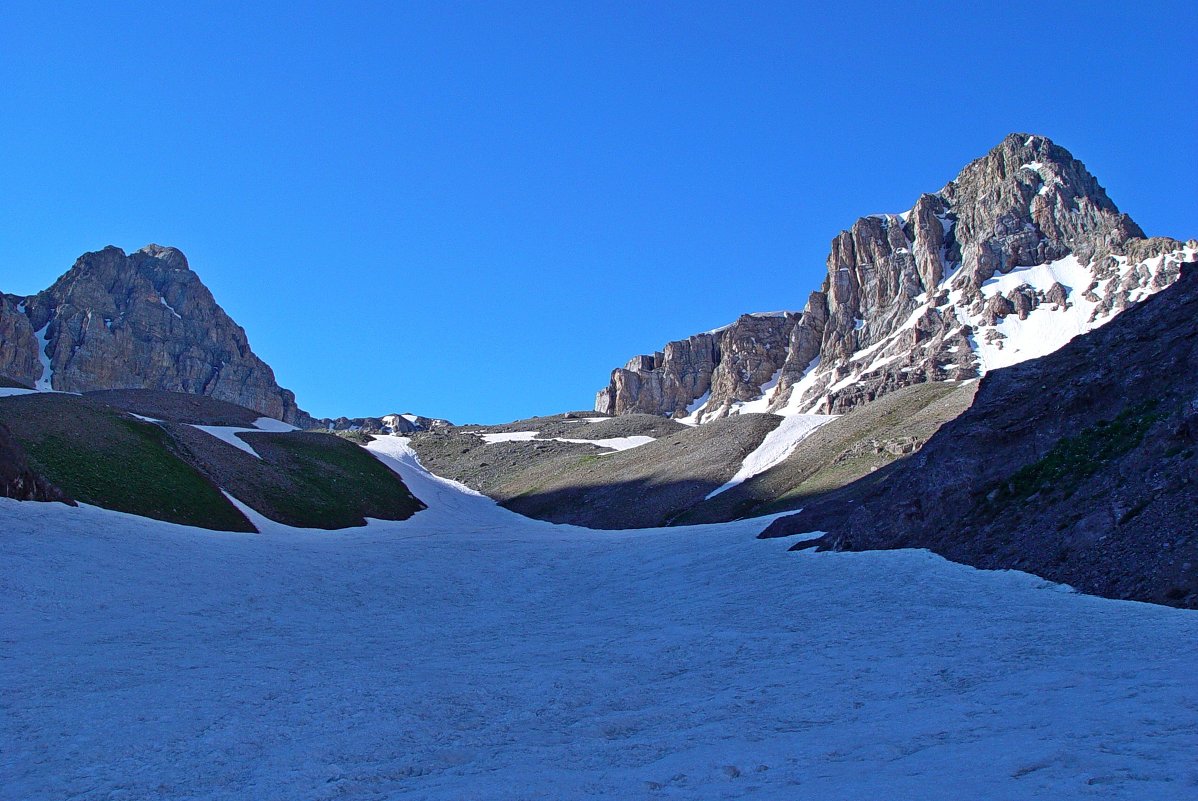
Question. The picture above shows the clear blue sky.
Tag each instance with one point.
(477, 210)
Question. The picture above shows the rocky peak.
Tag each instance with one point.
(142, 320)
(1027, 202)
(935, 293)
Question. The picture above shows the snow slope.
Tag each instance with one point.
(44, 384)
(469, 653)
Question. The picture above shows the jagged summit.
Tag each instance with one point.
(141, 320)
(1012, 258)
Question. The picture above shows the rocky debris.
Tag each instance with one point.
(387, 424)
(1057, 295)
(584, 484)
(842, 454)
(550, 425)
(905, 294)
(1077, 466)
(18, 480)
(628, 425)
(997, 308)
(143, 321)
(1024, 299)
(177, 407)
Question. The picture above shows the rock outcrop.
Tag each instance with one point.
(932, 294)
(18, 480)
(138, 321)
(1078, 466)
(387, 424)
(729, 364)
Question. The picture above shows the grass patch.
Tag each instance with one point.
(329, 482)
(107, 460)
(1074, 459)
(356, 437)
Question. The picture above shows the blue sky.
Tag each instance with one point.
(477, 210)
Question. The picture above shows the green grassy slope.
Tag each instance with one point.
(99, 456)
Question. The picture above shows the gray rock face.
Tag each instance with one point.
(18, 344)
(137, 321)
(906, 298)
(727, 365)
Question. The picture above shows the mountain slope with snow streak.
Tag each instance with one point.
(777, 445)
(470, 652)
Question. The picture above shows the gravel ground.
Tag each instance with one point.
(859, 444)
(591, 486)
(177, 407)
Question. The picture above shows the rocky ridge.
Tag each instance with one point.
(387, 424)
(1018, 254)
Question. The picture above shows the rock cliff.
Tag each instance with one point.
(142, 320)
(1018, 254)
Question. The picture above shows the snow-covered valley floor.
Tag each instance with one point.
(472, 654)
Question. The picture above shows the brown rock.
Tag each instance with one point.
(144, 321)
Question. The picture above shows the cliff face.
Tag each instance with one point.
(1022, 251)
(726, 365)
(137, 321)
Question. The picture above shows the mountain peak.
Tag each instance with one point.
(903, 301)
(173, 257)
(138, 321)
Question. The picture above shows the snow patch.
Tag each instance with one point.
(508, 436)
(776, 447)
(169, 307)
(46, 382)
(615, 443)
(229, 434)
(471, 653)
(696, 410)
(761, 404)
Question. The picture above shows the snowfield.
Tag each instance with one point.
(469, 653)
